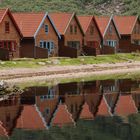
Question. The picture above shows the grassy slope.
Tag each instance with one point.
(29, 63)
(79, 6)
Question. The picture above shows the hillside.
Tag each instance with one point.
(104, 7)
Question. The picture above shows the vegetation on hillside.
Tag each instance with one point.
(79, 6)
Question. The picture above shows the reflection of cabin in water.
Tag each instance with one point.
(10, 110)
(109, 86)
(136, 98)
(125, 105)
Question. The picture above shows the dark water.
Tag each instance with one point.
(95, 110)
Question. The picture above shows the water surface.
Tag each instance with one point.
(90, 110)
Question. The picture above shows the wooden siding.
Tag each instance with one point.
(74, 36)
(95, 37)
(13, 35)
(111, 36)
(51, 36)
(136, 33)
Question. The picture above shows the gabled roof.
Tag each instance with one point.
(62, 21)
(104, 109)
(125, 105)
(3, 13)
(103, 23)
(62, 116)
(125, 24)
(85, 22)
(30, 119)
(85, 113)
(30, 23)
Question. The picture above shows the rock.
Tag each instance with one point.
(2, 63)
(14, 63)
(55, 62)
(41, 63)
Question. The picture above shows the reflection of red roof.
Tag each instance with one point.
(86, 114)
(102, 23)
(125, 105)
(61, 21)
(62, 116)
(85, 22)
(125, 24)
(103, 109)
(3, 131)
(28, 22)
(30, 119)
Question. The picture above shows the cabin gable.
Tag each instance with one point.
(48, 35)
(111, 37)
(135, 36)
(73, 33)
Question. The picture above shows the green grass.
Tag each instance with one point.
(37, 63)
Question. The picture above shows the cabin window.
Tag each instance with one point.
(71, 29)
(112, 43)
(74, 44)
(7, 27)
(46, 29)
(75, 29)
(41, 44)
(91, 30)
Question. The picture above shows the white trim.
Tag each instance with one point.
(40, 25)
(54, 26)
(134, 24)
(40, 114)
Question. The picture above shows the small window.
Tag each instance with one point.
(7, 27)
(75, 29)
(46, 28)
(91, 30)
(71, 29)
(41, 44)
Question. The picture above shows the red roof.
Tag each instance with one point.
(125, 105)
(61, 21)
(103, 109)
(85, 113)
(62, 116)
(28, 22)
(30, 118)
(125, 24)
(85, 22)
(102, 23)
(3, 13)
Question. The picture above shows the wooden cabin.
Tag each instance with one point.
(110, 34)
(10, 36)
(10, 110)
(40, 37)
(71, 32)
(129, 30)
(92, 38)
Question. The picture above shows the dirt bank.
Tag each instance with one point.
(57, 72)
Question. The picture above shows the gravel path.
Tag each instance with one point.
(57, 72)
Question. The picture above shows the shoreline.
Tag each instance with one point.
(19, 75)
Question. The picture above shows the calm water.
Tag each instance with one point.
(95, 110)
